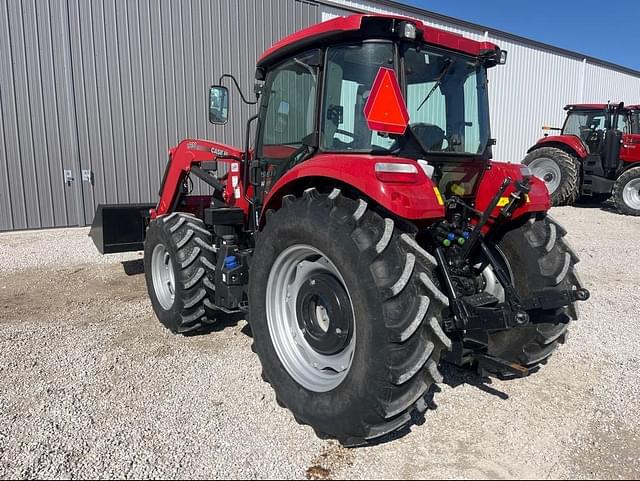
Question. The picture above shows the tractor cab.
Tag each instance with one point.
(592, 123)
(601, 129)
(375, 87)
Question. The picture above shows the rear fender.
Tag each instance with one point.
(538, 199)
(630, 151)
(190, 152)
(569, 143)
(414, 201)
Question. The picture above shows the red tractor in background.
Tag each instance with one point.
(366, 232)
(596, 155)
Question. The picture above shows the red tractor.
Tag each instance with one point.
(366, 232)
(596, 155)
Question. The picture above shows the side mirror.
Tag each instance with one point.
(218, 105)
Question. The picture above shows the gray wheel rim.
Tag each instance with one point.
(631, 194)
(548, 171)
(164, 282)
(312, 370)
(492, 284)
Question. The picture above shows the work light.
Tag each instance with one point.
(408, 30)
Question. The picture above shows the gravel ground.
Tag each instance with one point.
(91, 385)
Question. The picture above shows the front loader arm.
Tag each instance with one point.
(188, 154)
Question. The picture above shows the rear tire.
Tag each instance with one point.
(396, 314)
(626, 192)
(539, 257)
(559, 170)
(176, 281)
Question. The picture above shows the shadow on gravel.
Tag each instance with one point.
(455, 376)
(606, 206)
(416, 420)
(134, 267)
(223, 321)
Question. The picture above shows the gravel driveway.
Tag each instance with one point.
(91, 385)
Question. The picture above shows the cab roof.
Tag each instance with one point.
(367, 26)
(597, 107)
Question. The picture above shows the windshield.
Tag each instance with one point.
(446, 96)
(585, 123)
(445, 93)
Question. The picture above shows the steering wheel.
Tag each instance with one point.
(344, 132)
(345, 145)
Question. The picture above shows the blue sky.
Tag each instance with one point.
(606, 30)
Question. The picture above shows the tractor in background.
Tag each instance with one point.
(366, 232)
(596, 155)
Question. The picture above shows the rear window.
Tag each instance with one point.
(635, 123)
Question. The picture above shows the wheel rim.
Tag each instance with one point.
(631, 194)
(490, 280)
(310, 318)
(548, 171)
(492, 284)
(164, 282)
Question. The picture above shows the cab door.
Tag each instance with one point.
(288, 118)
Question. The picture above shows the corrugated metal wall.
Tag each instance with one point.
(532, 89)
(108, 86)
(38, 139)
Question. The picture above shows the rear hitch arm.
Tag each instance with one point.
(555, 298)
(486, 216)
(468, 317)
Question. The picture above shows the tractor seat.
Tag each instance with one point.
(594, 140)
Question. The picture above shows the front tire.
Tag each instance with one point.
(560, 172)
(178, 254)
(538, 257)
(626, 192)
(395, 308)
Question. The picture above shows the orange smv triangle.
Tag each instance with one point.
(385, 110)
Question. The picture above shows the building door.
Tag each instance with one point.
(40, 178)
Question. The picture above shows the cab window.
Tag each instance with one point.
(290, 103)
(635, 123)
(289, 113)
(350, 73)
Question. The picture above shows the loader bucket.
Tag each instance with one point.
(120, 227)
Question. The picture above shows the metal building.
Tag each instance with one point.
(94, 92)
